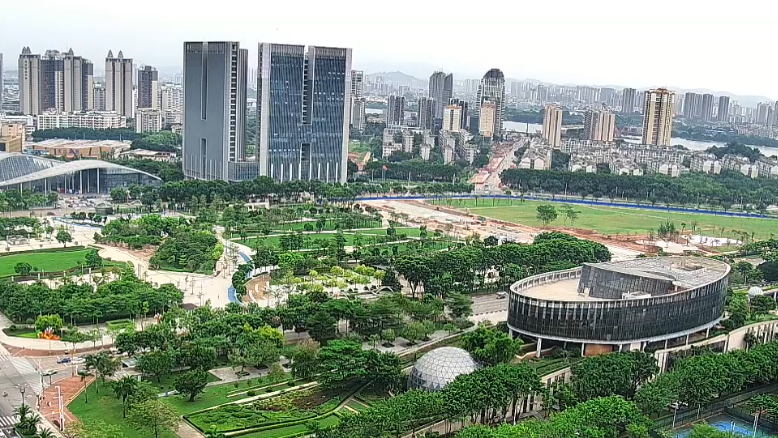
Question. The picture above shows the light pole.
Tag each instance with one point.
(22, 389)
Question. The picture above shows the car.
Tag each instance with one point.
(49, 372)
(501, 294)
(63, 359)
(78, 360)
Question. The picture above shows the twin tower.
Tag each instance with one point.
(303, 102)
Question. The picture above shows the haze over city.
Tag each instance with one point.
(642, 44)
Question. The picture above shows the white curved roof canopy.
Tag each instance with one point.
(22, 168)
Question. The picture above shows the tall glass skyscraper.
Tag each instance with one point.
(215, 75)
(303, 112)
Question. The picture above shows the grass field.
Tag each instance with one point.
(615, 220)
(316, 237)
(45, 261)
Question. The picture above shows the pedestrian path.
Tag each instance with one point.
(31, 375)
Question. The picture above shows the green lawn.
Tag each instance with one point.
(22, 333)
(356, 405)
(49, 261)
(107, 408)
(617, 220)
(281, 432)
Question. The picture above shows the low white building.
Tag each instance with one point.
(705, 162)
(148, 120)
(90, 120)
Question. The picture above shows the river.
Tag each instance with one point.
(696, 145)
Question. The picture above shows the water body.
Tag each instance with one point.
(374, 111)
(696, 145)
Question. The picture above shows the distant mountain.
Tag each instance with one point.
(397, 76)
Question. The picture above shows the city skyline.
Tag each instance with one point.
(623, 27)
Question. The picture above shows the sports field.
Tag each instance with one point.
(616, 220)
(49, 261)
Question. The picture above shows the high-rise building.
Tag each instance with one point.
(707, 107)
(693, 106)
(658, 117)
(54, 82)
(395, 111)
(462, 104)
(723, 114)
(357, 83)
(99, 97)
(552, 125)
(78, 76)
(441, 88)
(587, 94)
(215, 86)
(608, 96)
(486, 119)
(303, 110)
(541, 94)
(1, 81)
(628, 100)
(763, 113)
(426, 118)
(599, 125)
(171, 97)
(148, 88)
(492, 89)
(118, 84)
(29, 82)
(358, 114)
(452, 118)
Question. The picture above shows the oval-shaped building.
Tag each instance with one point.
(616, 306)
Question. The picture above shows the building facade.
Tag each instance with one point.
(492, 89)
(148, 120)
(658, 117)
(441, 89)
(552, 125)
(88, 119)
(215, 87)
(426, 117)
(628, 100)
(487, 118)
(599, 125)
(303, 112)
(723, 109)
(148, 87)
(452, 118)
(119, 84)
(395, 111)
(617, 306)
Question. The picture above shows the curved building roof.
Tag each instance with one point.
(495, 73)
(439, 367)
(18, 168)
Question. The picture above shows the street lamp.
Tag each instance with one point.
(22, 389)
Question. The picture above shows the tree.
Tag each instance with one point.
(93, 259)
(385, 370)
(459, 305)
(321, 327)
(388, 335)
(191, 383)
(49, 322)
(762, 304)
(489, 346)
(546, 214)
(305, 359)
(617, 373)
(413, 332)
(341, 361)
(23, 268)
(154, 416)
(570, 214)
(124, 388)
(103, 364)
(743, 268)
(157, 363)
(64, 237)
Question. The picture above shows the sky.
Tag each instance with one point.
(718, 45)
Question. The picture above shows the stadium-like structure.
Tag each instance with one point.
(616, 306)
(23, 172)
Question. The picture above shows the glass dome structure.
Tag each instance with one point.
(436, 369)
(755, 291)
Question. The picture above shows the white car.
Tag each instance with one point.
(78, 360)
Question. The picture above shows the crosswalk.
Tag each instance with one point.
(30, 374)
(7, 422)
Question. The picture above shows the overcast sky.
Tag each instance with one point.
(719, 45)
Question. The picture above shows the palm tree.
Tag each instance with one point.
(45, 433)
(84, 374)
(124, 388)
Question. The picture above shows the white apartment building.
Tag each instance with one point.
(171, 97)
(452, 118)
(119, 84)
(704, 162)
(148, 120)
(552, 125)
(91, 120)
